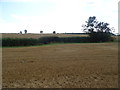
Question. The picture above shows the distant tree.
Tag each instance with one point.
(41, 31)
(25, 31)
(20, 32)
(97, 31)
(54, 32)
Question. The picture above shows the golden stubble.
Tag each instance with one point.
(90, 65)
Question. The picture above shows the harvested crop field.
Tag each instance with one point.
(14, 35)
(90, 65)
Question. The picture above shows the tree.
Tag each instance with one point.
(25, 31)
(41, 31)
(20, 32)
(54, 32)
(97, 31)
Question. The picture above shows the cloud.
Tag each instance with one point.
(47, 23)
(27, 0)
(67, 16)
(6, 27)
(17, 0)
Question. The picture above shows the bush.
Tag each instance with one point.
(19, 41)
(49, 39)
(100, 37)
(42, 40)
(74, 39)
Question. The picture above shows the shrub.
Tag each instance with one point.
(74, 39)
(100, 37)
(49, 39)
(19, 41)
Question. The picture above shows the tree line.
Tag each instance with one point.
(25, 32)
(42, 40)
(97, 32)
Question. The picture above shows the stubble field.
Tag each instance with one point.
(90, 65)
(36, 36)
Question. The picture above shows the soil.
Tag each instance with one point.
(90, 65)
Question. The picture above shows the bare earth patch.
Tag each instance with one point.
(88, 65)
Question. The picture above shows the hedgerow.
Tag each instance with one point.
(19, 41)
(42, 40)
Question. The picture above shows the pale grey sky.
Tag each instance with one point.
(59, 15)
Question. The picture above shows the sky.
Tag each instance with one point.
(55, 15)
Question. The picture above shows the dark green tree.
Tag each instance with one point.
(97, 31)
(20, 32)
(41, 32)
(54, 32)
(25, 31)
